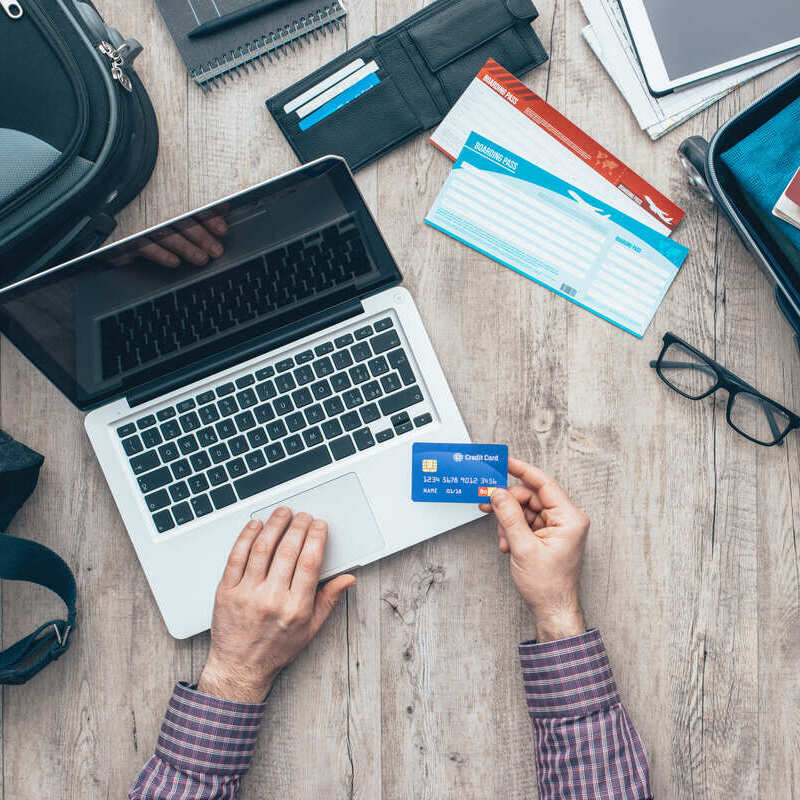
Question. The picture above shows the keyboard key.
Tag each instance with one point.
(127, 430)
(383, 324)
(217, 475)
(363, 333)
(274, 452)
(404, 428)
(246, 398)
(315, 414)
(378, 366)
(163, 521)
(332, 429)
(146, 422)
(238, 445)
(189, 422)
(406, 374)
(422, 419)
(226, 388)
(312, 436)
(198, 483)
(182, 513)
(154, 480)
(399, 361)
(186, 405)
(360, 351)
(200, 461)
(201, 505)
(304, 375)
(236, 468)
(286, 363)
(181, 469)
(204, 398)
(285, 383)
(333, 406)
(370, 413)
(384, 436)
(168, 452)
(343, 341)
(245, 421)
(295, 422)
(304, 358)
(287, 470)
(157, 500)
(208, 414)
(255, 460)
(245, 380)
(384, 341)
(222, 496)
(145, 462)
(266, 390)
(363, 439)
(151, 437)
(323, 367)
(351, 421)
(342, 359)
(276, 430)
(188, 444)
(340, 382)
(391, 383)
(352, 398)
(264, 373)
(341, 448)
(179, 491)
(400, 419)
(321, 389)
(219, 453)
(257, 438)
(264, 413)
(293, 444)
(171, 429)
(371, 390)
(302, 397)
(226, 429)
(283, 405)
(207, 437)
(166, 413)
(132, 446)
(228, 406)
(400, 400)
(323, 349)
(359, 373)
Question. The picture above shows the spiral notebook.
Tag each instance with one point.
(212, 60)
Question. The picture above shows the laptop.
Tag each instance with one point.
(289, 369)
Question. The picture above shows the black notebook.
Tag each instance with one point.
(262, 39)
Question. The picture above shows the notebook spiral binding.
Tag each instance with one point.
(216, 73)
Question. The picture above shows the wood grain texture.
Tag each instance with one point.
(412, 690)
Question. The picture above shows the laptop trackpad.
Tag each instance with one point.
(353, 534)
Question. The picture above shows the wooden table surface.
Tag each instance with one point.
(412, 690)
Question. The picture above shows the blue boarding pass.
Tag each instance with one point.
(457, 473)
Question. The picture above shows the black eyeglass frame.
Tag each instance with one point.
(732, 384)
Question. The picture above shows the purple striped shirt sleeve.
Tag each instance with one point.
(586, 745)
(204, 748)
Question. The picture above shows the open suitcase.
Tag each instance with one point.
(705, 163)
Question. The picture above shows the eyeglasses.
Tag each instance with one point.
(694, 375)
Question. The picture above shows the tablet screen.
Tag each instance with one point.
(694, 35)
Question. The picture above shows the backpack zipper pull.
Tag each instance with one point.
(12, 7)
(117, 58)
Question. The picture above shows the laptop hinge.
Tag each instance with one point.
(228, 358)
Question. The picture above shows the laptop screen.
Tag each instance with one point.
(201, 286)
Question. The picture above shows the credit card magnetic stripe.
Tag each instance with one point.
(342, 100)
(324, 84)
(351, 80)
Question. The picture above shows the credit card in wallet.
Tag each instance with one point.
(341, 100)
(457, 473)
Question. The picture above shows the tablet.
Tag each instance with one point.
(679, 42)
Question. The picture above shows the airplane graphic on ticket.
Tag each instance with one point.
(557, 235)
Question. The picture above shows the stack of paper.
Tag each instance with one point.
(607, 35)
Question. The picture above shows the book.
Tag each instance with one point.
(214, 59)
(788, 206)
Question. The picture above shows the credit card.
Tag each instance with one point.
(324, 84)
(457, 473)
(339, 102)
(329, 94)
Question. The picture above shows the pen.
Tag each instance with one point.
(235, 17)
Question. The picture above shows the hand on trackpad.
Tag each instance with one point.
(353, 534)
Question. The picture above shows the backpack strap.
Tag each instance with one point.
(24, 560)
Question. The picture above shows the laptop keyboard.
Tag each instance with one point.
(354, 392)
(315, 264)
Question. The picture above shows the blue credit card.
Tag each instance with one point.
(341, 100)
(457, 473)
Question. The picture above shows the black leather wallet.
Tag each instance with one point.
(423, 65)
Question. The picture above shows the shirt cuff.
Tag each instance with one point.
(567, 677)
(205, 734)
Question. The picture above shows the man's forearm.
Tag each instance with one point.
(204, 748)
(586, 745)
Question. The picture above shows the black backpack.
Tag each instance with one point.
(78, 134)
